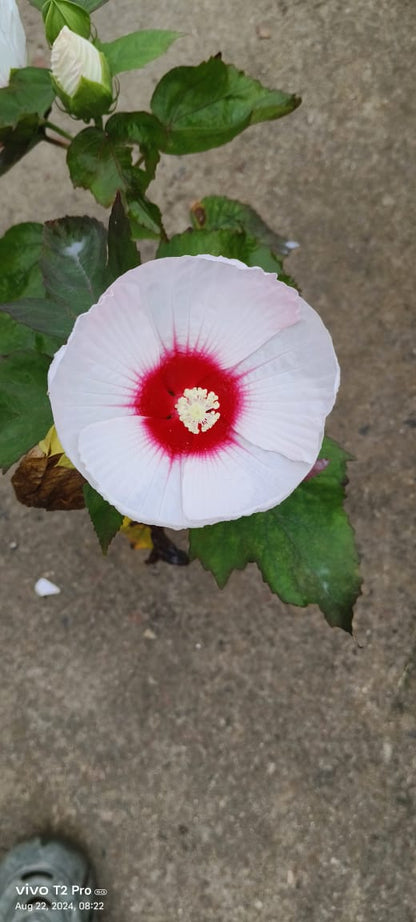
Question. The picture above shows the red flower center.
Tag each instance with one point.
(160, 389)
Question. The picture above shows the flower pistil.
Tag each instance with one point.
(196, 408)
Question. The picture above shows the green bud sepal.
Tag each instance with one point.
(90, 100)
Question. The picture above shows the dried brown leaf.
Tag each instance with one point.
(40, 481)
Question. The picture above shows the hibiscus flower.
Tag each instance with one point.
(195, 391)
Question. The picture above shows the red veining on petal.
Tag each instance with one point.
(160, 389)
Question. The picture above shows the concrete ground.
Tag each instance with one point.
(242, 761)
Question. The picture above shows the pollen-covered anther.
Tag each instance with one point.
(196, 409)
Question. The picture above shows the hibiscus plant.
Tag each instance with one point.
(186, 392)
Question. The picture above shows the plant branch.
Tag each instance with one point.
(56, 142)
(57, 130)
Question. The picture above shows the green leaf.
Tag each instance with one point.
(143, 129)
(16, 336)
(23, 104)
(59, 13)
(88, 5)
(30, 92)
(232, 244)
(72, 275)
(16, 142)
(91, 5)
(140, 128)
(21, 278)
(133, 51)
(74, 262)
(208, 105)
(25, 412)
(304, 547)
(216, 211)
(20, 250)
(145, 218)
(99, 163)
(260, 255)
(105, 519)
(122, 251)
(42, 315)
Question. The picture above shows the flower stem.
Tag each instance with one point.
(58, 130)
(56, 142)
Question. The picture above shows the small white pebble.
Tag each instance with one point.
(258, 904)
(44, 587)
(387, 751)
(149, 635)
(291, 880)
(13, 545)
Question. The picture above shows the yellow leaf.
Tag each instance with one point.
(51, 446)
(139, 536)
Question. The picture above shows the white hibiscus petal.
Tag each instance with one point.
(108, 349)
(69, 421)
(128, 470)
(118, 332)
(237, 481)
(290, 386)
(53, 367)
(167, 297)
(219, 306)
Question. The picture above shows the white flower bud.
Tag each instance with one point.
(81, 75)
(12, 40)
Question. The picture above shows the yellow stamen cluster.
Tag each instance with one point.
(196, 409)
